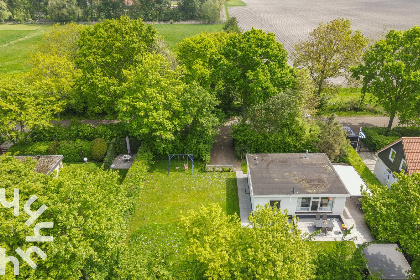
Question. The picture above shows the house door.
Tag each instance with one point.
(315, 204)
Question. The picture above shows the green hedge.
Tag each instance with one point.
(78, 131)
(354, 160)
(379, 137)
(30, 149)
(73, 151)
(134, 180)
(248, 140)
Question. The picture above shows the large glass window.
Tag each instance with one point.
(315, 204)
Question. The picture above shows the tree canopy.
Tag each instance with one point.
(393, 214)
(253, 67)
(105, 50)
(218, 247)
(329, 51)
(391, 73)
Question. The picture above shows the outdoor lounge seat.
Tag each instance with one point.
(318, 217)
(324, 216)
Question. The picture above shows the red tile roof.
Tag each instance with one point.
(412, 153)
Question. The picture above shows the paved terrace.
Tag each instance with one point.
(352, 217)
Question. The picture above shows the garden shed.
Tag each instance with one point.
(301, 183)
(46, 164)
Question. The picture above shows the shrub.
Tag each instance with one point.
(75, 151)
(30, 149)
(354, 160)
(99, 149)
(53, 147)
(111, 153)
(376, 137)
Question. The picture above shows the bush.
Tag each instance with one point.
(75, 151)
(354, 160)
(30, 149)
(77, 130)
(99, 149)
(111, 153)
(53, 147)
(376, 137)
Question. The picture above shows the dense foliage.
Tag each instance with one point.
(89, 210)
(379, 137)
(391, 73)
(393, 214)
(329, 51)
(75, 10)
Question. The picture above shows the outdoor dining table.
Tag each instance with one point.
(324, 224)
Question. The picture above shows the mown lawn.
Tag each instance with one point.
(175, 33)
(347, 103)
(165, 197)
(93, 165)
(16, 43)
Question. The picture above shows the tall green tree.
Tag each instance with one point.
(4, 11)
(393, 214)
(391, 73)
(329, 51)
(218, 247)
(105, 51)
(88, 208)
(63, 10)
(332, 139)
(253, 67)
(22, 107)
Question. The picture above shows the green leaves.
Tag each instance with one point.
(391, 73)
(393, 214)
(330, 51)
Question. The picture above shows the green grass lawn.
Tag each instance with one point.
(175, 33)
(121, 172)
(165, 196)
(16, 43)
(347, 103)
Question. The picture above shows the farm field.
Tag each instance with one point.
(291, 20)
(16, 43)
(174, 33)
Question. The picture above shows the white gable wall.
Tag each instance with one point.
(383, 173)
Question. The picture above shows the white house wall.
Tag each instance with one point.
(383, 173)
(290, 203)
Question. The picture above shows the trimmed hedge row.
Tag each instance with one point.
(134, 180)
(379, 137)
(73, 151)
(79, 131)
(354, 160)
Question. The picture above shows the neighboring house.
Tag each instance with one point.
(46, 164)
(403, 154)
(300, 183)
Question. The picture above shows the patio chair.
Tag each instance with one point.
(318, 217)
(324, 216)
(324, 230)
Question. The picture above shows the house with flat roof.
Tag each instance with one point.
(300, 183)
(401, 155)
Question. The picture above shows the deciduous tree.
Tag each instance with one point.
(253, 67)
(105, 51)
(391, 73)
(393, 214)
(329, 51)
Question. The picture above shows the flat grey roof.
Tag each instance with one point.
(278, 174)
(386, 259)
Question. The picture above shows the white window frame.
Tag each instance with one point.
(401, 164)
(390, 155)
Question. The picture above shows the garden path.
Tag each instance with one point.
(223, 151)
